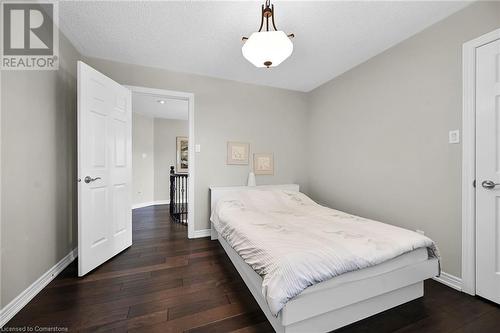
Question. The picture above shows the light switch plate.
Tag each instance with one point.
(197, 148)
(454, 136)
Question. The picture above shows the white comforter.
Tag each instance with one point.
(293, 243)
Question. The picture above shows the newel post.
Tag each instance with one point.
(172, 189)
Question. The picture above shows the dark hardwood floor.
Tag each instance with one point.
(166, 283)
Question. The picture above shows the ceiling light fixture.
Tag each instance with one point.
(161, 101)
(267, 48)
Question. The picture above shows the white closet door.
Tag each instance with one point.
(488, 171)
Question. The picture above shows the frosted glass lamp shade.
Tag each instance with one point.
(267, 48)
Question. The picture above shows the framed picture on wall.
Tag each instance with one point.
(237, 153)
(182, 154)
(263, 164)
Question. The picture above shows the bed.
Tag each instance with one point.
(328, 303)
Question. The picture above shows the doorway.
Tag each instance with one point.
(104, 142)
(171, 115)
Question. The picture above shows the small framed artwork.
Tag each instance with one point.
(182, 154)
(263, 164)
(237, 153)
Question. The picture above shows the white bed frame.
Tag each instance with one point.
(327, 305)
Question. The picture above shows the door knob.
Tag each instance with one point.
(489, 184)
(89, 179)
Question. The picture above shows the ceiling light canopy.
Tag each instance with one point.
(267, 48)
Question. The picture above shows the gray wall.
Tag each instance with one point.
(270, 119)
(166, 132)
(38, 147)
(153, 152)
(380, 133)
(142, 159)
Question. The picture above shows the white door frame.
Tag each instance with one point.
(189, 97)
(469, 159)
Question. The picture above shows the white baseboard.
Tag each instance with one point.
(450, 280)
(11, 309)
(201, 233)
(151, 203)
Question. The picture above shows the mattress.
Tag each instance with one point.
(404, 260)
(407, 259)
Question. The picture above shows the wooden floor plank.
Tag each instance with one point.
(168, 283)
(231, 324)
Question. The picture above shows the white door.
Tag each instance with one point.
(104, 168)
(488, 171)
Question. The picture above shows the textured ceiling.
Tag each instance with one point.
(204, 37)
(148, 105)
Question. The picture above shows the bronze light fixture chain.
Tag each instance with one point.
(267, 12)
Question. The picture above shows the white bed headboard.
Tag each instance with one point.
(218, 192)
